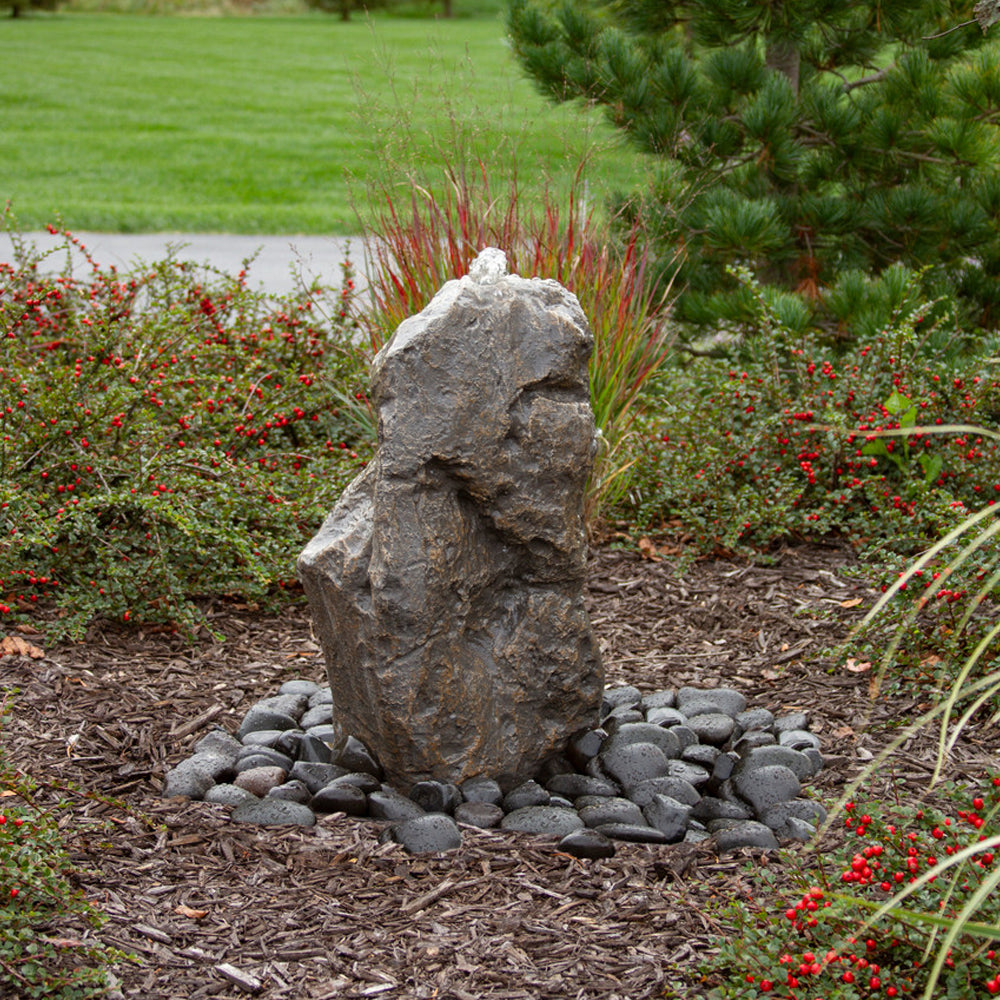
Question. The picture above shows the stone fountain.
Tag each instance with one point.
(447, 583)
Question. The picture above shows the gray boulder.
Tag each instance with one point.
(447, 583)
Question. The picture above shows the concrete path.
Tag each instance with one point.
(319, 256)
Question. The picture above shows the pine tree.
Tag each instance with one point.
(818, 142)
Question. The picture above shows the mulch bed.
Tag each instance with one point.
(216, 909)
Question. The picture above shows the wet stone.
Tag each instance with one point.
(262, 757)
(686, 736)
(287, 704)
(799, 739)
(756, 718)
(659, 699)
(430, 834)
(191, 779)
(611, 810)
(289, 743)
(485, 815)
(791, 720)
(262, 737)
(542, 820)
(273, 812)
(726, 700)
(693, 774)
(745, 834)
(260, 780)
(794, 760)
(315, 776)
(711, 808)
(666, 717)
(815, 758)
(584, 746)
(677, 788)
(587, 844)
(326, 732)
(668, 816)
(228, 795)
(619, 717)
(436, 796)
(643, 732)
(574, 785)
(806, 810)
(294, 791)
(615, 697)
(634, 763)
(390, 805)
(340, 798)
(319, 715)
(712, 727)
(315, 750)
(753, 738)
(482, 790)
(260, 718)
(530, 793)
(352, 754)
(764, 786)
(307, 688)
(220, 744)
(634, 832)
(702, 755)
(324, 696)
(368, 783)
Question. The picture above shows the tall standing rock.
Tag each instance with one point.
(447, 583)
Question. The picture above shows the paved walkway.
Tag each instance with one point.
(319, 256)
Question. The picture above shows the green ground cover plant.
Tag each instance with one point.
(48, 944)
(164, 434)
(783, 439)
(251, 124)
(838, 939)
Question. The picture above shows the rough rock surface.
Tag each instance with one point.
(447, 583)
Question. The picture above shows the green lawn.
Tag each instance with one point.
(259, 124)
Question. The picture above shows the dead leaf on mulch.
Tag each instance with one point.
(857, 667)
(191, 913)
(14, 645)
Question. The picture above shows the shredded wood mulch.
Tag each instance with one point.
(211, 908)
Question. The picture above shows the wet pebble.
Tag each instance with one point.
(668, 767)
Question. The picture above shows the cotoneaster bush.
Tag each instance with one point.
(785, 441)
(828, 940)
(48, 944)
(165, 434)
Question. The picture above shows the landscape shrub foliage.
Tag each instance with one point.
(49, 943)
(787, 437)
(902, 906)
(165, 434)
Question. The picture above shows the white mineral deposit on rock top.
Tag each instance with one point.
(489, 267)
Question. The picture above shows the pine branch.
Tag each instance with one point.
(865, 80)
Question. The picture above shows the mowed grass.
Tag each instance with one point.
(266, 124)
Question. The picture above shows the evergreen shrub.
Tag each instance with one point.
(166, 434)
(787, 443)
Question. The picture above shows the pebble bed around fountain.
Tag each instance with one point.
(664, 767)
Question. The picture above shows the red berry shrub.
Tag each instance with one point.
(832, 940)
(49, 932)
(165, 434)
(784, 443)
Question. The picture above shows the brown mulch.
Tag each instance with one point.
(216, 909)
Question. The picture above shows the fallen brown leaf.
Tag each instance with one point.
(187, 911)
(14, 645)
(648, 549)
(852, 603)
(857, 668)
